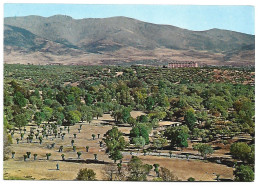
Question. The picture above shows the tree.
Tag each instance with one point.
(19, 99)
(122, 115)
(39, 117)
(86, 175)
(98, 112)
(198, 133)
(28, 154)
(70, 99)
(40, 139)
(61, 148)
(178, 136)
(48, 113)
(126, 114)
(251, 155)
(167, 175)
(150, 103)
(21, 120)
(73, 117)
(240, 150)
(159, 143)
(13, 153)
(139, 142)
(203, 149)
(48, 155)
(115, 143)
(244, 173)
(79, 154)
(137, 170)
(89, 116)
(59, 117)
(88, 99)
(156, 169)
(131, 121)
(142, 119)
(244, 109)
(119, 167)
(86, 112)
(190, 118)
(170, 153)
(139, 130)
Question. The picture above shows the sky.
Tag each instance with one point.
(197, 18)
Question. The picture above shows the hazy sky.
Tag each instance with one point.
(235, 18)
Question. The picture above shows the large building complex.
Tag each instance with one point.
(180, 64)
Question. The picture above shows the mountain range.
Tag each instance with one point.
(61, 39)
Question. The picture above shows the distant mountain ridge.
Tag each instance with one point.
(62, 35)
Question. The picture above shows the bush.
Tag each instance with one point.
(86, 175)
(240, 150)
(191, 179)
(244, 173)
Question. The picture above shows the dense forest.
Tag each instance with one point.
(208, 104)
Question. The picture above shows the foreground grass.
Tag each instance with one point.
(18, 178)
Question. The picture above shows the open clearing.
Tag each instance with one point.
(43, 169)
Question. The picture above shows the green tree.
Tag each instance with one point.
(203, 149)
(21, 120)
(88, 99)
(59, 117)
(240, 150)
(19, 99)
(139, 142)
(137, 170)
(190, 118)
(73, 117)
(140, 130)
(39, 117)
(126, 114)
(244, 173)
(244, 109)
(150, 103)
(98, 112)
(178, 136)
(159, 143)
(115, 143)
(48, 113)
(86, 112)
(156, 169)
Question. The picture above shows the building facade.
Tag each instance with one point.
(181, 64)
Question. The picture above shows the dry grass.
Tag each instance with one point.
(43, 169)
(184, 169)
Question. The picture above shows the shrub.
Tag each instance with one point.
(86, 175)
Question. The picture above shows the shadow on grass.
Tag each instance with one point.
(86, 161)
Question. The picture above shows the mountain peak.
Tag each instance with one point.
(102, 35)
(60, 16)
